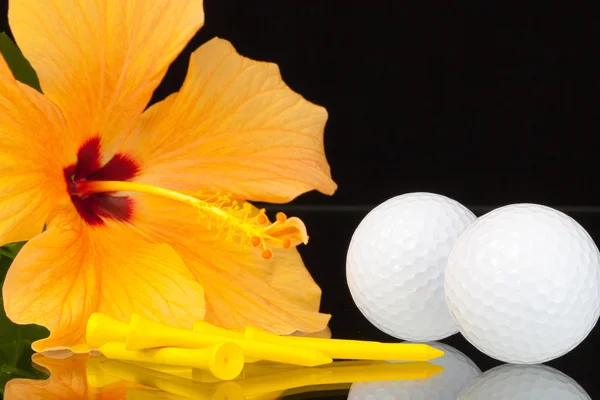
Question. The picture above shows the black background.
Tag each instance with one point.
(486, 104)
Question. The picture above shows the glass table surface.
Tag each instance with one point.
(467, 373)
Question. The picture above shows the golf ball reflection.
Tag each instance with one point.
(523, 382)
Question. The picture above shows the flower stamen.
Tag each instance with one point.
(240, 223)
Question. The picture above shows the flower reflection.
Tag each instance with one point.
(524, 382)
(458, 372)
(67, 381)
(86, 377)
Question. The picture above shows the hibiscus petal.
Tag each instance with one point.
(241, 288)
(234, 126)
(100, 61)
(286, 273)
(324, 334)
(292, 230)
(235, 298)
(70, 271)
(34, 145)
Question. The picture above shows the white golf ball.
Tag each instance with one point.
(523, 382)
(523, 283)
(396, 260)
(458, 372)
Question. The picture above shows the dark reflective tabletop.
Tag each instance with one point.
(466, 371)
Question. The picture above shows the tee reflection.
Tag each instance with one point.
(453, 376)
(89, 376)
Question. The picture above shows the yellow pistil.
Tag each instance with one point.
(255, 229)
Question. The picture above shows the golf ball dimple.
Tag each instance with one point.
(458, 372)
(523, 283)
(523, 382)
(396, 260)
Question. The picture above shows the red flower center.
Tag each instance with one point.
(96, 207)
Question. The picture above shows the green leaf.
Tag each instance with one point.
(21, 368)
(11, 250)
(8, 252)
(4, 264)
(18, 64)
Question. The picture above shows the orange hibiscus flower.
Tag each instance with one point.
(146, 210)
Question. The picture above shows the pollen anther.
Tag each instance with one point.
(281, 217)
(262, 218)
(267, 254)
